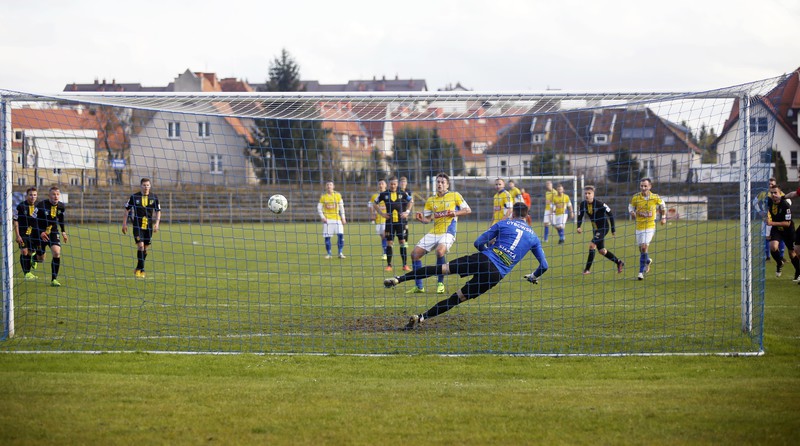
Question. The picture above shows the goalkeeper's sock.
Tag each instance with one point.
(417, 264)
(441, 307)
(54, 267)
(590, 260)
(546, 232)
(441, 261)
(389, 253)
(328, 245)
(140, 260)
(610, 256)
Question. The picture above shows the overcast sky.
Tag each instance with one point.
(626, 45)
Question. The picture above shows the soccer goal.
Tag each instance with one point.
(204, 265)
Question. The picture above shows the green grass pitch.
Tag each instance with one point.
(267, 288)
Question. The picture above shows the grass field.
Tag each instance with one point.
(689, 303)
(267, 288)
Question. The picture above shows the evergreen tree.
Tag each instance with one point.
(299, 150)
(419, 152)
(623, 167)
(548, 163)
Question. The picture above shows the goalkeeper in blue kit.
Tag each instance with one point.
(512, 240)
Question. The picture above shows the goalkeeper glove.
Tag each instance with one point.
(532, 278)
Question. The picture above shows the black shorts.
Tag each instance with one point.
(787, 235)
(55, 240)
(484, 274)
(395, 229)
(31, 243)
(599, 239)
(142, 235)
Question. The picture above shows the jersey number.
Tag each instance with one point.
(516, 240)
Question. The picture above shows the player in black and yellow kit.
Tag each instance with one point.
(396, 215)
(779, 218)
(26, 230)
(50, 218)
(602, 220)
(144, 210)
(403, 187)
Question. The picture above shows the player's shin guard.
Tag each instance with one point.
(25, 262)
(140, 260)
(441, 307)
(441, 261)
(54, 266)
(340, 242)
(417, 264)
(590, 260)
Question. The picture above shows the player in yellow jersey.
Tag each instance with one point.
(516, 194)
(643, 207)
(548, 208)
(331, 210)
(377, 218)
(562, 208)
(502, 202)
(443, 209)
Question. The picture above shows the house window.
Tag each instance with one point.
(57, 171)
(600, 138)
(649, 168)
(758, 125)
(503, 168)
(216, 164)
(669, 140)
(203, 129)
(21, 181)
(733, 158)
(91, 181)
(174, 130)
(638, 133)
(75, 181)
(479, 147)
(19, 159)
(345, 141)
(538, 138)
(41, 181)
(17, 135)
(675, 169)
(793, 158)
(526, 168)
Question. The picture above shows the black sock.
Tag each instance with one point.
(389, 252)
(442, 306)
(589, 260)
(144, 257)
(610, 256)
(54, 266)
(25, 261)
(777, 256)
(796, 264)
(404, 254)
(140, 260)
(421, 273)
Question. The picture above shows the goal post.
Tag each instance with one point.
(225, 274)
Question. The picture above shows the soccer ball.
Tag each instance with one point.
(277, 203)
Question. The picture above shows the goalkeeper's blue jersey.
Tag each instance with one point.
(513, 239)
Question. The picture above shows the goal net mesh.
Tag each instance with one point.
(224, 274)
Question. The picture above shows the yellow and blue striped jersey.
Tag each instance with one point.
(516, 195)
(437, 207)
(645, 210)
(501, 204)
(330, 205)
